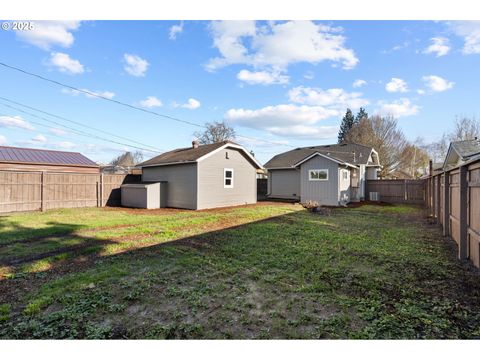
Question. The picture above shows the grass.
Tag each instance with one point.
(265, 271)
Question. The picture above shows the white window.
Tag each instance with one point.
(345, 174)
(318, 175)
(228, 178)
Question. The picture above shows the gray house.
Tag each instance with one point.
(205, 176)
(330, 174)
(460, 152)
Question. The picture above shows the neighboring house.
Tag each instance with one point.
(330, 174)
(205, 176)
(120, 170)
(460, 152)
(24, 159)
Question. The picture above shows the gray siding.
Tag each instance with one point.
(344, 185)
(211, 191)
(284, 183)
(371, 173)
(325, 192)
(182, 183)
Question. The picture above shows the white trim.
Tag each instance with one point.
(319, 170)
(238, 147)
(225, 186)
(326, 157)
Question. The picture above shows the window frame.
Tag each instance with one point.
(317, 170)
(225, 186)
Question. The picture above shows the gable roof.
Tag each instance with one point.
(192, 155)
(9, 154)
(465, 149)
(346, 153)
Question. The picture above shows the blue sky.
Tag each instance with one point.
(280, 84)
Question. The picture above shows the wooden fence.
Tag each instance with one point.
(453, 199)
(29, 191)
(398, 191)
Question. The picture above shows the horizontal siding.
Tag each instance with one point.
(182, 183)
(211, 190)
(284, 183)
(325, 192)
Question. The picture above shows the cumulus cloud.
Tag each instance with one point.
(470, 32)
(57, 131)
(66, 144)
(15, 122)
(64, 63)
(91, 94)
(46, 34)
(285, 120)
(151, 102)
(191, 104)
(398, 108)
(135, 65)
(332, 98)
(276, 45)
(396, 85)
(262, 77)
(3, 140)
(359, 83)
(437, 84)
(175, 30)
(39, 139)
(440, 46)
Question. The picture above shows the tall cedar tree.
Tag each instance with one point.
(347, 122)
(362, 114)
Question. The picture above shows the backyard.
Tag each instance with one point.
(270, 270)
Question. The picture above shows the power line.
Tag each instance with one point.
(89, 93)
(75, 122)
(76, 131)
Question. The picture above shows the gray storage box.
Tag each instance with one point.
(145, 195)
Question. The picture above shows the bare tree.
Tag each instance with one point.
(414, 159)
(384, 136)
(215, 132)
(465, 129)
(128, 159)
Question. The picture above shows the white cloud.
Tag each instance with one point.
(253, 142)
(440, 46)
(65, 144)
(15, 122)
(285, 120)
(135, 65)
(262, 77)
(64, 63)
(151, 102)
(470, 32)
(396, 85)
(57, 131)
(278, 44)
(175, 30)
(359, 83)
(46, 34)
(91, 95)
(398, 108)
(309, 75)
(437, 84)
(333, 98)
(421, 92)
(3, 140)
(39, 139)
(191, 104)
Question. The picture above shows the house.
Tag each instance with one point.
(120, 170)
(330, 174)
(25, 159)
(460, 152)
(205, 176)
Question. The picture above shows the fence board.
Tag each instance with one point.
(398, 191)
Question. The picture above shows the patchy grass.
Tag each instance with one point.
(265, 271)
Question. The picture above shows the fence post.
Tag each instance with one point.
(462, 248)
(101, 190)
(405, 190)
(437, 198)
(446, 203)
(42, 192)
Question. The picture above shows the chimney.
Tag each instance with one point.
(195, 144)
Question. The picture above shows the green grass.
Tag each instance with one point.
(266, 271)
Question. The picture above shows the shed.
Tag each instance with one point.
(145, 195)
(26, 159)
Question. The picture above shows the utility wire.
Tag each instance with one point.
(75, 122)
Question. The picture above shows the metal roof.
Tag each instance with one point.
(11, 154)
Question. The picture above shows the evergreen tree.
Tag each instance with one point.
(362, 114)
(347, 122)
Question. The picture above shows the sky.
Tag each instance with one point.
(280, 84)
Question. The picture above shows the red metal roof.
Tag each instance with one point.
(39, 156)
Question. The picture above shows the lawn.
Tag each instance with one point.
(267, 271)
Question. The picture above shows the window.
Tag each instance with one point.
(345, 174)
(228, 178)
(318, 175)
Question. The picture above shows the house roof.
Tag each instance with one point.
(191, 154)
(466, 148)
(348, 153)
(9, 154)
